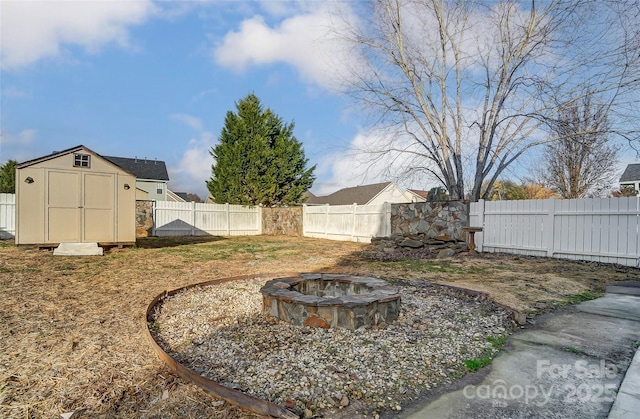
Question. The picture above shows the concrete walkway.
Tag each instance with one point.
(575, 364)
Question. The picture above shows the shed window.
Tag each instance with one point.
(81, 160)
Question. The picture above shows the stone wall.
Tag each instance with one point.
(434, 220)
(282, 221)
(144, 218)
(425, 230)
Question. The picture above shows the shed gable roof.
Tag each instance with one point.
(142, 168)
(631, 173)
(76, 149)
(360, 195)
(54, 155)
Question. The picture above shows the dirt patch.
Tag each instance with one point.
(70, 337)
(526, 284)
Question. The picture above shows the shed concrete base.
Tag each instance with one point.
(78, 249)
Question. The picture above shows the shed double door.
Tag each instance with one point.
(80, 207)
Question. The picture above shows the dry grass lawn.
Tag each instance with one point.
(70, 327)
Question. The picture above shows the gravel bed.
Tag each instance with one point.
(220, 332)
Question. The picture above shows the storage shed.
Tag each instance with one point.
(74, 196)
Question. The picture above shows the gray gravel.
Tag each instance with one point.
(220, 332)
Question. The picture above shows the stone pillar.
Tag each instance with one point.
(144, 218)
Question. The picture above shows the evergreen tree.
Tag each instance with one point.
(258, 160)
(8, 177)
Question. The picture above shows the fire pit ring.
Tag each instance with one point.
(331, 300)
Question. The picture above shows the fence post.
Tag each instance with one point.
(326, 221)
(480, 211)
(353, 221)
(193, 219)
(226, 207)
(386, 231)
(304, 224)
(548, 226)
(637, 228)
(155, 218)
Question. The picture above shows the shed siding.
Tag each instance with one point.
(126, 215)
(99, 207)
(75, 204)
(29, 207)
(63, 206)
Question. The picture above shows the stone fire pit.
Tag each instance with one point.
(331, 300)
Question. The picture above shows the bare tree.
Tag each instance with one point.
(623, 192)
(581, 161)
(464, 88)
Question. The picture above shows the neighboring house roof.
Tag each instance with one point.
(631, 173)
(177, 196)
(184, 196)
(142, 168)
(360, 195)
(421, 194)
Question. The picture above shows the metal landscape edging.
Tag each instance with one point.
(235, 397)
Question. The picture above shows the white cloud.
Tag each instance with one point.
(189, 120)
(196, 161)
(15, 93)
(306, 41)
(367, 161)
(24, 138)
(32, 30)
(18, 146)
(194, 166)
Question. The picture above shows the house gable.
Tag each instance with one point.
(631, 177)
(360, 195)
(376, 193)
(176, 196)
(390, 193)
(415, 195)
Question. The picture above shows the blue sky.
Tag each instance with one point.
(155, 80)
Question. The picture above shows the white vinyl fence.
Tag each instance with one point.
(7, 216)
(193, 219)
(358, 223)
(603, 230)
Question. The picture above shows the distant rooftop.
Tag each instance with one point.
(360, 195)
(422, 194)
(631, 173)
(184, 196)
(142, 168)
